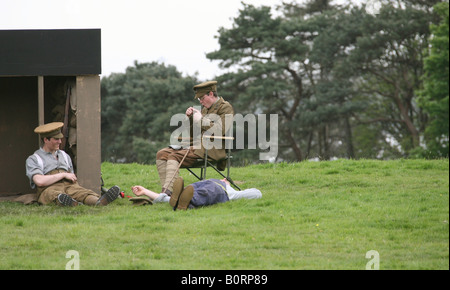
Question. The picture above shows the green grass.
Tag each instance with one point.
(313, 215)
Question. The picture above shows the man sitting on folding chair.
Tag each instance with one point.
(215, 108)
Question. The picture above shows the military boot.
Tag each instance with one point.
(185, 198)
(178, 187)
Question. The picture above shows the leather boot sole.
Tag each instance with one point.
(111, 195)
(185, 198)
(66, 200)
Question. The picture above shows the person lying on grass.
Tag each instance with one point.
(198, 194)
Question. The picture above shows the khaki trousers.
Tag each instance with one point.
(167, 154)
(48, 194)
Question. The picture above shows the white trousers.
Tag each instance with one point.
(251, 193)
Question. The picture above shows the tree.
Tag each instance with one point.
(136, 110)
(388, 57)
(344, 82)
(260, 81)
(287, 66)
(435, 93)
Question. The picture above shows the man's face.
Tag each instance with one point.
(52, 143)
(207, 100)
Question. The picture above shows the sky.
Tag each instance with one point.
(174, 32)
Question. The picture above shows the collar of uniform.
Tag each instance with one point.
(45, 152)
(216, 103)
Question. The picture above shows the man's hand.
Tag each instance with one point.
(70, 176)
(138, 190)
(189, 111)
(196, 113)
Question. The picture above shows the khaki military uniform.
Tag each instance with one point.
(48, 194)
(44, 163)
(168, 159)
(215, 116)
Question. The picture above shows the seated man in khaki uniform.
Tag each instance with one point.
(213, 113)
(51, 170)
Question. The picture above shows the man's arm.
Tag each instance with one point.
(46, 180)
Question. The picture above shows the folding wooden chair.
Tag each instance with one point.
(204, 163)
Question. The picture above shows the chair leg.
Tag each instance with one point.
(228, 170)
(206, 164)
(193, 173)
(227, 177)
(234, 184)
(228, 166)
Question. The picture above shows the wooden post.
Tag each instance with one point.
(88, 132)
(40, 100)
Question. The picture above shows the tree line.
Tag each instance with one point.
(346, 82)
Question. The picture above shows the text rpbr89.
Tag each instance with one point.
(245, 279)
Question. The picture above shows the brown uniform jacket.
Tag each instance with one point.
(215, 116)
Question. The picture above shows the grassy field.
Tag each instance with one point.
(313, 215)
